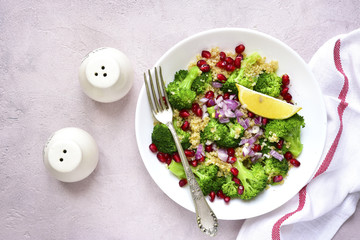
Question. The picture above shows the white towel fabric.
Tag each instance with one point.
(321, 207)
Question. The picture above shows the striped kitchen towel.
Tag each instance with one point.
(330, 198)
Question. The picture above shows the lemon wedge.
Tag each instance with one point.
(264, 105)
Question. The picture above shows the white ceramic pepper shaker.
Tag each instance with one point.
(71, 154)
(106, 75)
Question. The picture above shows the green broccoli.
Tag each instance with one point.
(254, 179)
(201, 83)
(230, 188)
(214, 131)
(233, 136)
(288, 129)
(242, 76)
(163, 139)
(273, 167)
(269, 84)
(177, 169)
(206, 176)
(179, 91)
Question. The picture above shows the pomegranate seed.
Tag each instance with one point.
(231, 160)
(231, 151)
(240, 48)
(221, 64)
(176, 157)
(287, 97)
(257, 148)
(194, 163)
(236, 180)
(168, 161)
(206, 54)
(294, 162)
(251, 114)
(229, 60)
(184, 113)
(153, 148)
(200, 63)
(284, 91)
(182, 182)
(212, 196)
(237, 61)
(288, 155)
(189, 153)
(222, 55)
(221, 78)
(199, 112)
(205, 67)
(201, 159)
(209, 94)
(185, 126)
(208, 148)
(230, 67)
(240, 189)
(234, 171)
(285, 79)
(195, 107)
(161, 157)
(264, 121)
(227, 199)
(220, 194)
(167, 156)
(226, 96)
(279, 144)
(277, 178)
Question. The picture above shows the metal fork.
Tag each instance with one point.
(162, 111)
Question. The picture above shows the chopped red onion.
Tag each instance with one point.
(222, 154)
(276, 155)
(257, 120)
(211, 102)
(224, 120)
(238, 113)
(216, 84)
(243, 123)
(203, 100)
(199, 151)
(232, 104)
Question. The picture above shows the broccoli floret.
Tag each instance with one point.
(269, 84)
(254, 180)
(206, 176)
(163, 139)
(201, 83)
(183, 136)
(214, 131)
(273, 167)
(288, 129)
(177, 169)
(180, 75)
(242, 76)
(233, 136)
(179, 91)
(230, 188)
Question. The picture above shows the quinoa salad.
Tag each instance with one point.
(234, 153)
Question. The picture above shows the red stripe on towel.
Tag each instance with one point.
(329, 156)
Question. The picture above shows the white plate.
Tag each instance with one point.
(305, 91)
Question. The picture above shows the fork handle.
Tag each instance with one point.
(206, 218)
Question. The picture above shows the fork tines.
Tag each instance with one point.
(159, 100)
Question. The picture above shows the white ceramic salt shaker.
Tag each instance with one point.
(71, 154)
(106, 75)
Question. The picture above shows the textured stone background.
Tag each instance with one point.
(42, 44)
